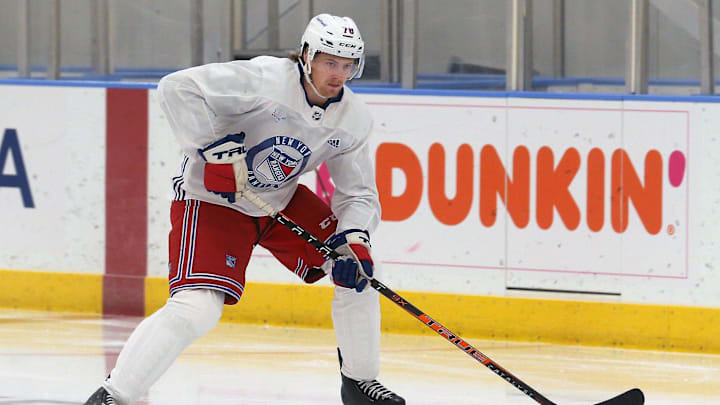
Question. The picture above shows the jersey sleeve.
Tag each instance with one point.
(197, 101)
(355, 200)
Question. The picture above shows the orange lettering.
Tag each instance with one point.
(455, 210)
(493, 180)
(626, 185)
(553, 188)
(388, 157)
(553, 194)
(595, 209)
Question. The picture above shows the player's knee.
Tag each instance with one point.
(199, 308)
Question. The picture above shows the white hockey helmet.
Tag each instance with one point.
(333, 35)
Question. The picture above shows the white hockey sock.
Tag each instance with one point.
(356, 317)
(160, 338)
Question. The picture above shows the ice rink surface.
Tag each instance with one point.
(56, 358)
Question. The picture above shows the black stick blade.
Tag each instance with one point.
(632, 397)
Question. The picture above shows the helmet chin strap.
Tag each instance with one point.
(312, 86)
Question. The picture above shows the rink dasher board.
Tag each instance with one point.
(660, 257)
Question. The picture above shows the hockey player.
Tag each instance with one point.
(258, 125)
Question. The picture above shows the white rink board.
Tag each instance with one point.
(61, 132)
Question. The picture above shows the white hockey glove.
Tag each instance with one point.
(355, 268)
(226, 170)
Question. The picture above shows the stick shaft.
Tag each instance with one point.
(459, 342)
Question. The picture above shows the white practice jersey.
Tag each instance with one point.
(285, 136)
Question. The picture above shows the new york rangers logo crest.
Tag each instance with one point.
(277, 165)
(276, 160)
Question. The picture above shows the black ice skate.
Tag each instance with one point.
(100, 397)
(355, 392)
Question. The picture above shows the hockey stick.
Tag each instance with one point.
(631, 397)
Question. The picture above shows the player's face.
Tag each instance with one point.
(329, 73)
